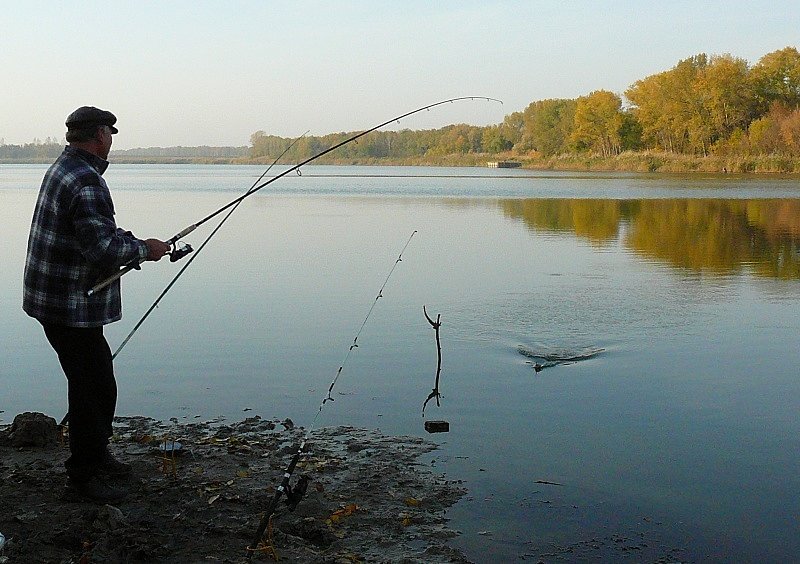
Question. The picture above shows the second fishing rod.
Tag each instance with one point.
(178, 253)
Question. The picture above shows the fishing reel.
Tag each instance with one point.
(295, 494)
(178, 252)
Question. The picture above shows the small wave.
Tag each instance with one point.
(553, 357)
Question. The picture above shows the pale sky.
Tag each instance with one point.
(213, 72)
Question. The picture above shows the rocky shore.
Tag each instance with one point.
(369, 497)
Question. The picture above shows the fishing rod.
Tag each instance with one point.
(295, 494)
(169, 286)
(200, 248)
(179, 252)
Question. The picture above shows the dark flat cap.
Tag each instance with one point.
(88, 116)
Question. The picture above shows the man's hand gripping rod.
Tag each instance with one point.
(175, 254)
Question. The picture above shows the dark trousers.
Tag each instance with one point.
(85, 357)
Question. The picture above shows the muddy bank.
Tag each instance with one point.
(369, 498)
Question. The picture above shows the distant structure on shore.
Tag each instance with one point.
(503, 164)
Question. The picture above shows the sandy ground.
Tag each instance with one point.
(369, 498)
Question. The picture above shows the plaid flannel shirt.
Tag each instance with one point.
(74, 243)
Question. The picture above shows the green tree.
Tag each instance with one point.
(267, 146)
(764, 136)
(667, 106)
(630, 132)
(547, 125)
(494, 140)
(776, 78)
(598, 121)
(726, 101)
(512, 127)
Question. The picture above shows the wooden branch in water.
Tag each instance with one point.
(435, 393)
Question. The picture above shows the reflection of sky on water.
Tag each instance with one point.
(690, 406)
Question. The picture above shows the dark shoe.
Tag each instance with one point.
(113, 467)
(98, 490)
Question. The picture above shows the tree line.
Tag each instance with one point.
(180, 151)
(704, 105)
(50, 149)
(37, 150)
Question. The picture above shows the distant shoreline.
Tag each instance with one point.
(652, 162)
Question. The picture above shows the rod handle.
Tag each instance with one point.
(116, 276)
(134, 265)
(183, 233)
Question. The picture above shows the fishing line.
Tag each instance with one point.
(294, 495)
(355, 341)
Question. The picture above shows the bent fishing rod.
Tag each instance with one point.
(178, 253)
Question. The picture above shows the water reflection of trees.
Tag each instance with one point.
(713, 236)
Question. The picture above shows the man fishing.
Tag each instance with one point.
(74, 242)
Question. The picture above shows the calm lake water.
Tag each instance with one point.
(677, 438)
